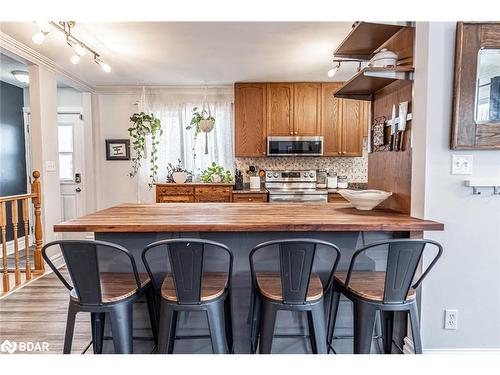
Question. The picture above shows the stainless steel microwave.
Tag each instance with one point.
(294, 146)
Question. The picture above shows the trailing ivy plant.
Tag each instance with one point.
(216, 173)
(144, 124)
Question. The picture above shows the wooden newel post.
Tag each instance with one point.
(36, 190)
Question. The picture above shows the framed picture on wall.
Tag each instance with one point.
(117, 149)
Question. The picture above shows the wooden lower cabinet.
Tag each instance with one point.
(192, 192)
(250, 197)
(213, 193)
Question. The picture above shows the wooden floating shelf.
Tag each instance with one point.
(365, 39)
(370, 80)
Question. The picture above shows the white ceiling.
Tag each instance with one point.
(195, 53)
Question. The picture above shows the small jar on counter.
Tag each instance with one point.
(342, 182)
(332, 180)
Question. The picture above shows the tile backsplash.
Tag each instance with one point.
(355, 168)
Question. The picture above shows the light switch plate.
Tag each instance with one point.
(50, 166)
(461, 164)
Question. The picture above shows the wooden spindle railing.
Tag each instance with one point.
(13, 203)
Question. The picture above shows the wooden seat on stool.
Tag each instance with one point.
(368, 284)
(116, 286)
(269, 284)
(212, 286)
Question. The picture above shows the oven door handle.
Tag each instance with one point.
(297, 198)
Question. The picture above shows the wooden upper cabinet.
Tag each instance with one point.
(344, 123)
(307, 109)
(250, 103)
(352, 127)
(331, 120)
(280, 109)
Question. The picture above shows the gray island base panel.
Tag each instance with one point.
(240, 244)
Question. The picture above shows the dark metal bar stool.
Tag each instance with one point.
(101, 293)
(185, 286)
(294, 287)
(384, 291)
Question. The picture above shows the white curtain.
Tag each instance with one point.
(174, 109)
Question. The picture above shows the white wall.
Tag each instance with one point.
(115, 186)
(66, 97)
(467, 277)
(44, 143)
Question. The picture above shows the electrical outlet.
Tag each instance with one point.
(461, 164)
(50, 166)
(450, 319)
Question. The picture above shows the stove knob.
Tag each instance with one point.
(269, 174)
(311, 174)
(275, 175)
(305, 174)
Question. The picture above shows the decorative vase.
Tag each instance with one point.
(216, 178)
(179, 177)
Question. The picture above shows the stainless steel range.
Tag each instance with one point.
(294, 186)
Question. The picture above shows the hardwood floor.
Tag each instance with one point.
(37, 312)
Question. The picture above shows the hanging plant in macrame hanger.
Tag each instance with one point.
(207, 124)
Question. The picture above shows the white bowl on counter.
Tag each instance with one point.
(365, 200)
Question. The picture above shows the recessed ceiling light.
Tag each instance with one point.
(21, 75)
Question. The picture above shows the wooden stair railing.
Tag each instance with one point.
(13, 202)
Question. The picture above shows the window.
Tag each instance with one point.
(65, 138)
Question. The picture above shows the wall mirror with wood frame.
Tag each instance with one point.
(476, 97)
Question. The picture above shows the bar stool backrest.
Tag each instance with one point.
(82, 261)
(403, 258)
(296, 260)
(187, 258)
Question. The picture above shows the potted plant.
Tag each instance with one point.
(177, 173)
(216, 173)
(202, 121)
(142, 126)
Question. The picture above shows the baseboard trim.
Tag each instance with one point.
(462, 351)
(408, 349)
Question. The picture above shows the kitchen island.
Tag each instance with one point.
(242, 226)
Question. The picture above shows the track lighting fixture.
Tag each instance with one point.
(338, 62)
(334, 70)
(79, 48)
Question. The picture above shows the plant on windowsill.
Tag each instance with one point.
(216, 173)
(143, 125)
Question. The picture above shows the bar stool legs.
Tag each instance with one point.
(267, 322)
(364, 320)
(121, 328)
(333, 315)
(97, 322)
(387, 323)
(415, 329)
(167, 327)
(153, 312)
(219, 324)
(70, 328)
(317, 328)
(228, 319)
(254, 322)
(216, 324)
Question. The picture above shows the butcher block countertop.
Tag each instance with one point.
(248, 217)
